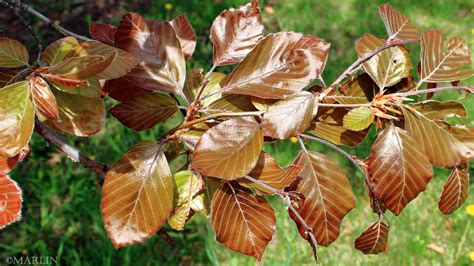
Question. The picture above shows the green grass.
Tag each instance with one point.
(61, 213)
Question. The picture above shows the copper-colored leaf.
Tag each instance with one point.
(43, 98)
(358, 90)
(144, 111)
(398, 26)
(103, 32)
(399, 170)
(280, 65)
(137, 195)
(242, 222)
(387, 67)
(78, 115)
(185, 33)
(6, 165)
(11, 75)
(440, 66)
(436, 110)
(92, 89)
(16, 118)
(56, 51)
(162, 66)
(229, 150)
(12, 53)
(121, 64)
(68, 82)
(82, 67)
(235, 32)
(327, 195)
(269, 172)
(455, 190)
(437, 141)
(359, 118)
(291, 116)
(10, 201)
(231, 103)
(121, 89)
(374, 239)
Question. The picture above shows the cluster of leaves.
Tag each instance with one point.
(219, 168)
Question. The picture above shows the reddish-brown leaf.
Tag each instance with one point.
(68, 82)
(103, 32)
(229, 150)
(144, 111)
(327, 195)
(137, 195)
(455, 190)
(399, 170)
(7, 165)
(82, 67)
(280, 65)
(374, 239)
(242, 222)
(10, 201)
(185, 33)
(398, 26)
(43, 98)
(11, 75)
(269, 172)
(121, 89)
(162, 66)
(235, 32)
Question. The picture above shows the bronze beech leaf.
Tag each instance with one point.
(68, 82)
(398, 26)
(121, 89)
(290, 116)
(137, 195)
(162, 66)
(327, 195)
(93, 88)
(235, 32)
(103, 32)
(144, 111)
(270, 173)
(440, 66)
(56, 51)
(280, 65)
(6, 165)
(82, 67)
(17, 118)
(12, 53)
(185, 33)
(231, 103)
(193, 84)
(10, 201)
(243, 222)
(374, 239)
(43, 98)
(436, 110)
(398, 168)
(387, 67)
(11, 75)
(229, 150)
(455, 190)
(358, 90)
(439, 143)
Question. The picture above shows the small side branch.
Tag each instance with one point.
(72, 152)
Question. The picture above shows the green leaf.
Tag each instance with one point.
(56, 51)
(358, 118)
(232, 103)
(12, 53)
(17, 118)
(193, 84)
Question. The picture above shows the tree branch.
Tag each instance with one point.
(49, 21)
(469, 89)
(361, 60)
(72, 152)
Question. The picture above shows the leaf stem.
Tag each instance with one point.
(204, 83)
(355, 105)
(49, 21)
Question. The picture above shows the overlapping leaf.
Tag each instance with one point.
(399, 170)
(358, 119)
(121, 89)
(270, 173)
(436, 110)
(242, 222)
(144, 111)
(43, 98)
(162, 66)
(398, 26)
(290, 116)
(11, 75)
(455, 190)
(229, 150)
(103, 32)
(193, 84)
(56, 51)
(327, 195)
(10, 201)
(17, 116)
(185, 33)
(137, 195)
(358, 90)
(387, 67)
(6, 165)
(374, 239)
(12, 53)
(78, 115)
(231, 103)
(82, 67)
(440, 66)
(280, 65)
(235, 32)
(441, 146)
(187, 186)
(92, 89)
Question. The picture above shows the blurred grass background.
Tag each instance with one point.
(61, 211)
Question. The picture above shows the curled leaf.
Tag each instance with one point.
(374, 239)
(455, 190)
(43, 98)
